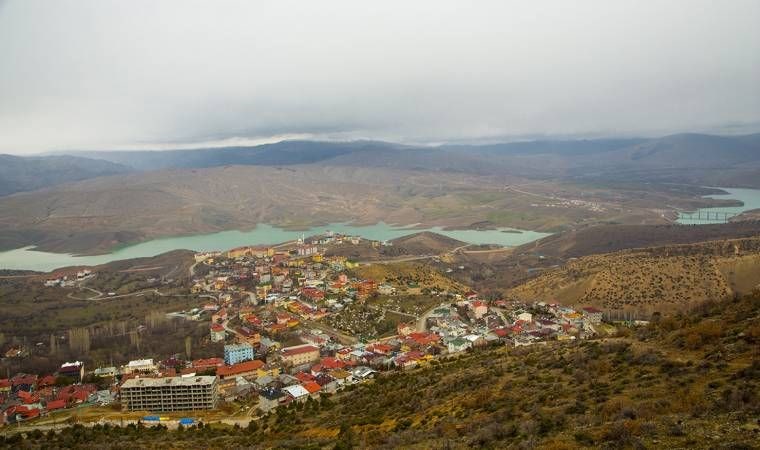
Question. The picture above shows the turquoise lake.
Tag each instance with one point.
(750, 197)
(28, 259)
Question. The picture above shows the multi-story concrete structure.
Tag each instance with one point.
(169, 394)
(236, 353)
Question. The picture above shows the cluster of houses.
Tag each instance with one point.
(261, 295)
(271, 376)
(261, 298)
(68, 279)
(472, 322)
(28, 396)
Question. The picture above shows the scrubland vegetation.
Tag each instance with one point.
(653, 279)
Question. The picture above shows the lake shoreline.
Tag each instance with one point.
(35, 258)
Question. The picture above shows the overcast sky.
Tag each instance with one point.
(162, 74)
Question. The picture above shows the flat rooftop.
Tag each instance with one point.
(171, 381)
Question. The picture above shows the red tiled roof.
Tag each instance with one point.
(47, 380)
(55, 404)
(312, 386)
(332, 363)
(385, 348)
(424, 338)
(303, 377)
(28, 397)
(299, 350)
(207, 363)
(24, 379)
(239, 368)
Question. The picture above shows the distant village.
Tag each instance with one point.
(271, 308)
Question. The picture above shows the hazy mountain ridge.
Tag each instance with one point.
(19, 174)
(674, 151)
(681, 158)
(301, 183)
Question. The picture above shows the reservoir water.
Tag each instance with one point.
(750, 197)
(29, 259)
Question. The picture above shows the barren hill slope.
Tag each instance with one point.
(426, 243)
(612, 238)
(660, 278)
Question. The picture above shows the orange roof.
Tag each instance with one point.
(239, 368)
(298, 350)
(55, 404)
(312, 386)
(382, 347)
(208, 362)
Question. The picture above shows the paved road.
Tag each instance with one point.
(493, 250)
(422, 322)
(192, 270)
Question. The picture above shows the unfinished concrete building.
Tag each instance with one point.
(169, 394)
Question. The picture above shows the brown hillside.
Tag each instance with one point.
(645, 280)
(612, 238)
(426, 243)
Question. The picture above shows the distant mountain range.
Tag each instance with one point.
(19, 174)
(674, 151)
(685, 158)
(94, 201)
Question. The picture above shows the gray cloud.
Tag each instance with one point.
(113, 74)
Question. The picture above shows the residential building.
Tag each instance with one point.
(297, 392)
(73, 370)
(300, 354)
(404, 329)
(169, 394)
(479, 309)
(217, 333)
(237, 353)
(243, 369)
(525, 317)
(459, 345)
(140, 366)
(106, 372)
(592, 314)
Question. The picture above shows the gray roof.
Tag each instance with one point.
(172, 381)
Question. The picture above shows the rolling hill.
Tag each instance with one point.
(18, 174)
(101, 213)
(300, 183)
(531, 158)
(417, 244)
(277, 154)
(426, 243)
(673, 277)
(611, 238)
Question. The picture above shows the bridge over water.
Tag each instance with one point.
(706, 216)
